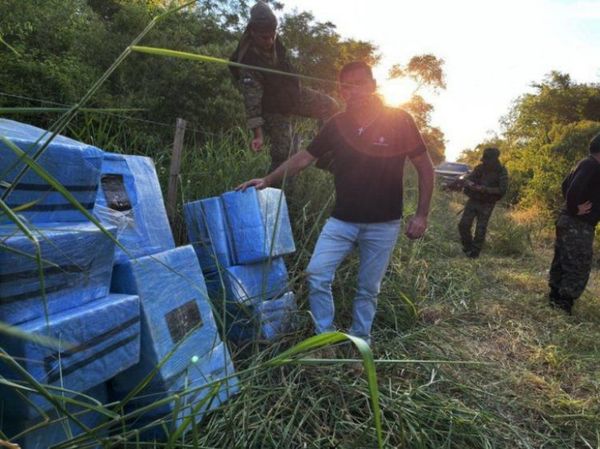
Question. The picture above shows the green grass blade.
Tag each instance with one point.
(330, 338)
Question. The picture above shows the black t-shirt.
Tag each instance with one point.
(369, 163)
(581, 185)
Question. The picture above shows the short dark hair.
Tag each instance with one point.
(595, 144)
(355, 65)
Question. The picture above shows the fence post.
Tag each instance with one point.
(174, 170)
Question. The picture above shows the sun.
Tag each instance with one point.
(396, 92)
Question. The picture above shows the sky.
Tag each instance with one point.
(493, 51)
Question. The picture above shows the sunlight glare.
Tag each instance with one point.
(396, 92)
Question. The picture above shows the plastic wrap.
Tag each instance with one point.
(274, 210)
(192, 387)
(266, 320)
(259, 228)
(177, 320)
(129, 197)
(74, 164)
(55, 432)
(253, 283)
(77, 265)
(96, 342)
(207, 231)
(277, 316)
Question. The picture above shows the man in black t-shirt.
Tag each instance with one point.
(575, 230)
(369, 144)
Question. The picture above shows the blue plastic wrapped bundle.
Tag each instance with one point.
(74, 164)
(259, 225)
(129, 197)
(177, 320)
(256, 282)
(194, 388)
(77, 266)
(274, 210)
(96, 342)
(267, 320)
(59, 430)
(207, 231)
(277, 316)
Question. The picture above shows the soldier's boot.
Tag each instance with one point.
(562, 303)
(553, 297)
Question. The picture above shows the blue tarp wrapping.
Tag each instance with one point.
(57, 431)
(177, 320)
(74, 164)
(194, 387)
(207, 231)
(95, 342)
(257, 282)
(259, 224)
(129, 197)
(77, 265)
(266, 320)
(277, 316)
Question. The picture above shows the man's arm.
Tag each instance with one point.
(502, 185)
(418, 223)
(289, 168)
(578, 187)
(251, 85)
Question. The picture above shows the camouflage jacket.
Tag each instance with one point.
(492, 182)
(263, 91)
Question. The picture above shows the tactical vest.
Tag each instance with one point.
(488, 177)
(281, 93)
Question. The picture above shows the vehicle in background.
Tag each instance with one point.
(450, 175)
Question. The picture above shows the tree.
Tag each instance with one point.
(545, 133)
(427, 72)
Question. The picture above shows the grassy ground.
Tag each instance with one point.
(515, 373)
(468, 353)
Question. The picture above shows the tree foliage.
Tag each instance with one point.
(427, 72)
(545, 133)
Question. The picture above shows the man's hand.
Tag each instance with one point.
(257, 142)
(258, 183)
(416, 227)
(585, 208)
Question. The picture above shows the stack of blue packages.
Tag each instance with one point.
(74, 164)
(76, 266)
(58, 428)
(76, 349)
(180, 342)
(54, 285)
(208, 233)
(259, 224)
(239, 238)
(129, 197)
(241, 292)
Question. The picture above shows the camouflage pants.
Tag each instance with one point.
(278, 127)
(474, 210)
(572, 261)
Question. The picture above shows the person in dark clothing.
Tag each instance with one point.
(370, 144)
(484, 186)
(271, 99)
(575, 229)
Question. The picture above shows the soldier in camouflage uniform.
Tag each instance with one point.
(484, 186)
(271, 99)
(575, 229)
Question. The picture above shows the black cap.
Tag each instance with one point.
(262, 18)
(490, 153)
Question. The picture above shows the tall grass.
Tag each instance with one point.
(438, 313)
